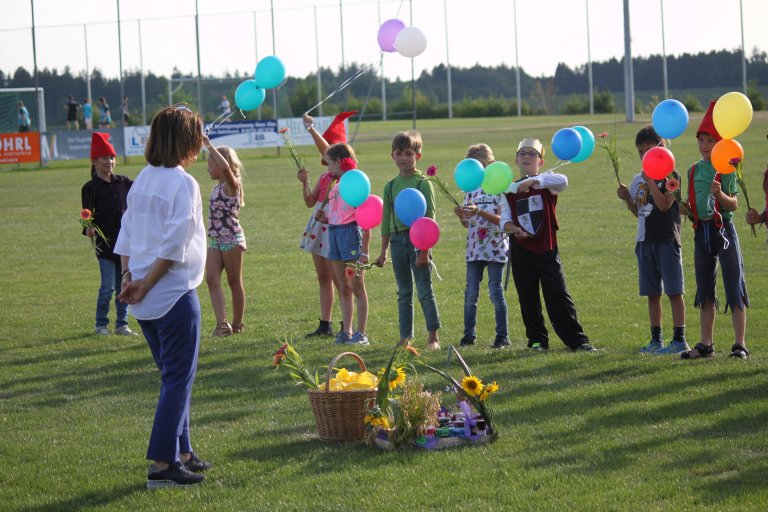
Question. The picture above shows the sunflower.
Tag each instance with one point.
(398, 380)
(489, 389)
(472, 385)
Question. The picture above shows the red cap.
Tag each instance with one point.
(708, 124)
(100, 146)
(336, 132)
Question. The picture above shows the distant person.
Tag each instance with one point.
(658, 246)
(106, 196)
(125, 110)
(226, 239)
(753, 216)
(73, 112)
(224, 105)
(105, 117)
(162, 248)
(88, 114)
(22, 118)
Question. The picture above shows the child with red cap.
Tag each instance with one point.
(315, 239)
(105, 195)
(712, 199)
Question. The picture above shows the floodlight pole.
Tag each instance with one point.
(199, 72)
(143, 85)
(664, 53)
(122, 85)
(589, 68)
(274, 52)
(517, 63)
(256, 54)
(448, 62)
(87, 65)
(319, 69)
(383, 80)
(629, 86)
(413, 72)
(743, 50)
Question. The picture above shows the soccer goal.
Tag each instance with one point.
(34, 101)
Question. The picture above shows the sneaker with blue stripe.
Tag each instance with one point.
(652, 348)
(358, 338)
(674, 348)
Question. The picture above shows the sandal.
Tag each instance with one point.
(699, 351)
(238, 328)
(222, 329)
(739, 351)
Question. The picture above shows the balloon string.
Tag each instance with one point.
(711, 210)
(560, 163)
(226, 115)
(346, 83)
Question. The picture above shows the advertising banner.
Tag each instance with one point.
(19, 147)
(76, 144)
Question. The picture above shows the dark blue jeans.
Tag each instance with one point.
(475, 271)
(406, 273)
(110, 283)
(174, 340)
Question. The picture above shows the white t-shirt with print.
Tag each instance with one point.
(484, 243)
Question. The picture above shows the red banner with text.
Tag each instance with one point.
(19, 147)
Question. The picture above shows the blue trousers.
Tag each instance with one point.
(495, 291)
(174, 341)
(110, 283)
(406, 273)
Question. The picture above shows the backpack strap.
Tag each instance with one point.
(718, 219)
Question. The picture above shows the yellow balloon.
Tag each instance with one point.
(732, 114)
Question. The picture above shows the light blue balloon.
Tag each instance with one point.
(410, 204)
(249, 96)
(469, 174)
(670, 119)
(566, 144)
(587, 144)
(354, 187)
(270, 72)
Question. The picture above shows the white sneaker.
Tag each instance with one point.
(124, 330)
(102, 330)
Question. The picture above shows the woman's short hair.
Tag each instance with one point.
(175, 137)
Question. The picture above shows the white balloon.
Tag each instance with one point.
(411, 42)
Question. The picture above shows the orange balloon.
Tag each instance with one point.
(722, 154)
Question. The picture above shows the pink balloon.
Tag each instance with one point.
(369, 213)
(658, 162)
(388, 33)
(424, 233)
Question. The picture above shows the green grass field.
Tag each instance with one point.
(607, 431)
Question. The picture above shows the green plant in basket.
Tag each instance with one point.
(417, 410)
(287, 357)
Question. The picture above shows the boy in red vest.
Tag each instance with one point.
(533, 252)
(712, 199)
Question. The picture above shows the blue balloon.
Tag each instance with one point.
(566, 143)
(587, 144)
(469, 174)
(410, 205)
(354, 187)
(270, 72)
(249, 96)
(670, 119)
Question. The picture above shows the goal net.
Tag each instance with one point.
(34, 101)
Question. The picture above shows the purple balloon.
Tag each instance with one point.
(388, 33)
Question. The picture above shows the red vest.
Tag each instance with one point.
(534, 211)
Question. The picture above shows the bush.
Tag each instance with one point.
(758, 102)
(691, 102)
(604, 102)
(576, 104)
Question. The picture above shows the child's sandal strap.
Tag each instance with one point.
(739, 351)
(699, 351)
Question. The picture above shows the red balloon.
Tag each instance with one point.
(658, 162)
(424, 233)
(368, 214)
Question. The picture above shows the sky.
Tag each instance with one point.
(235, 33)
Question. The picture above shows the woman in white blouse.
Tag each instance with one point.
(162, 247)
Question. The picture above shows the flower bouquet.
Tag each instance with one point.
(613, 153)
(736, 163)
(86, 220)
(298, 160)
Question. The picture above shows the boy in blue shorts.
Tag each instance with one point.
(712, 199)
(658, 248)
(410, 265)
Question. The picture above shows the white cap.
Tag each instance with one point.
(530, 142)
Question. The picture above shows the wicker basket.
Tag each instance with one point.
(340, 415)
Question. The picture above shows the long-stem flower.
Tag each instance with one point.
(432, 176)
(736, 163)
(613, 154)
(298, 160)
(86, 220)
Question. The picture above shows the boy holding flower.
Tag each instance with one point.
(533, 251)
(658, 247)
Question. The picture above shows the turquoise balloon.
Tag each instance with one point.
(354, 187)
(270, 72)
(469, 174)
(498, 176)
(587, 144)
(249, 96)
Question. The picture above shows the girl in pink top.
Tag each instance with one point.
(226, 240)
(347, 243)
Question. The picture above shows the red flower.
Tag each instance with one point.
(432, 171)
(279, 355)
(482, 233)
(412, 350)
(603, 135)
(349, 273)
(282, 130)
(347, 164)
(735, 161)
(86, 214)
(672, 185)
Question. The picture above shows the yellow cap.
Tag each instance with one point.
(530, 142)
